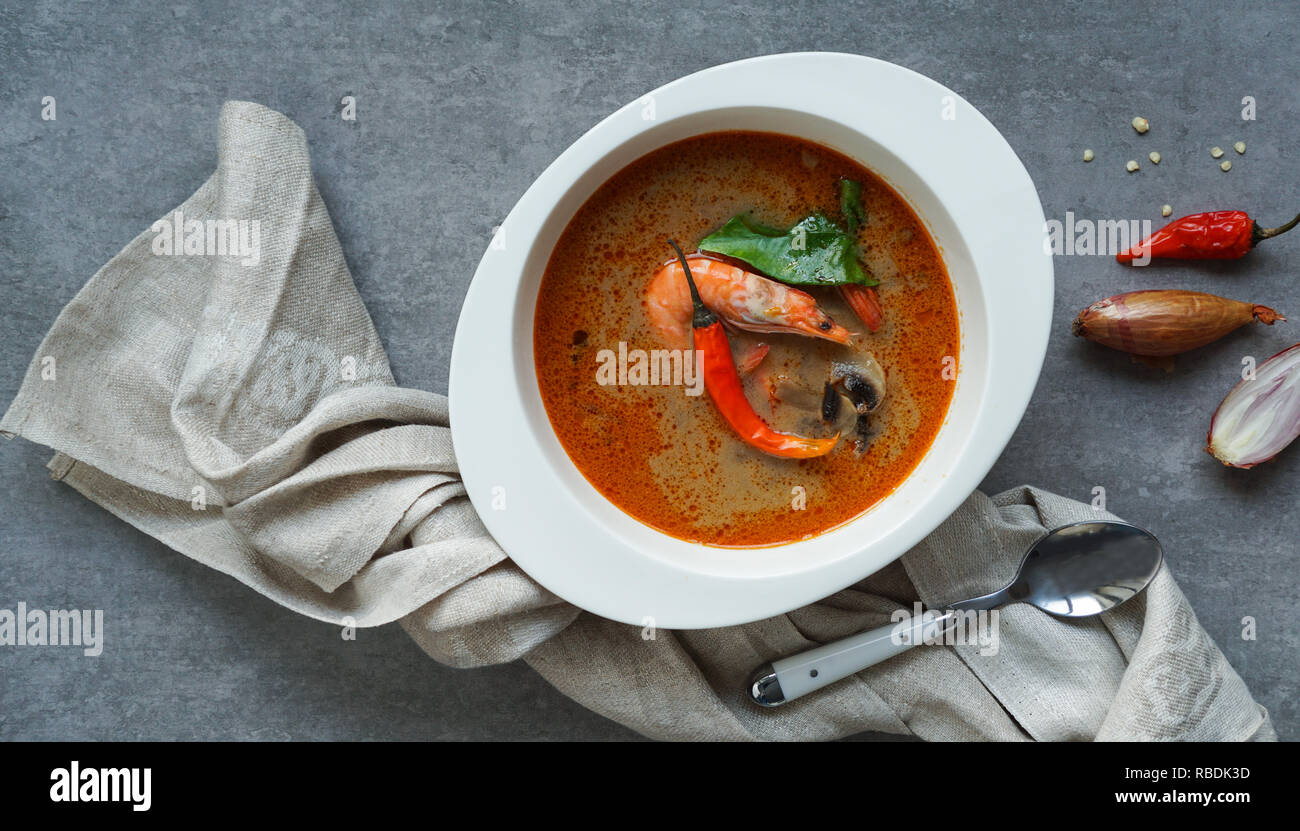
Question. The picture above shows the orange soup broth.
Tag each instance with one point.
(668, 459)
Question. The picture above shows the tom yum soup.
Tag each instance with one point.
(776, 378)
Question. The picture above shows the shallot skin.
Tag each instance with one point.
(1159, 323)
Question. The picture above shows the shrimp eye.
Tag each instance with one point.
(825, 325)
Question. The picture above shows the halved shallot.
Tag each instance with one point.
(1158, 323)
(1261, 415)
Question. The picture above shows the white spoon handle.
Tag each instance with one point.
(789, 678)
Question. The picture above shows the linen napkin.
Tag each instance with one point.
(239, 407)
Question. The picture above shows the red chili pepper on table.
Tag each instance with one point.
(1214, 235)
(723, 383)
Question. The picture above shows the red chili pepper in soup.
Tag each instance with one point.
(723, 383)
(1213, 235)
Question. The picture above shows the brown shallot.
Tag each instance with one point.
(1158, 323)
(1261, 415)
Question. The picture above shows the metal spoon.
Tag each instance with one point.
(1074, 571)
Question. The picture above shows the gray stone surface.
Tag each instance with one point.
(460, 106)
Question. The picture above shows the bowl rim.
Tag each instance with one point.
(589, 552)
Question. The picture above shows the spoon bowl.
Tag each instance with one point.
(1087, 568)
(1080, 569)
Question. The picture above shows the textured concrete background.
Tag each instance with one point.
(460, 106)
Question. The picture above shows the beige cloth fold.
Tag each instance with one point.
(245, 414)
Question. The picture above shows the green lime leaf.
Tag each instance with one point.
(851, 206)
(814, 252)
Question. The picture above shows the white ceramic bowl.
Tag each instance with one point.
(961, 178)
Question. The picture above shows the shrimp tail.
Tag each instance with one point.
(865, 303)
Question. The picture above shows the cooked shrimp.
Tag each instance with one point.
(741, 298)
(865, 303)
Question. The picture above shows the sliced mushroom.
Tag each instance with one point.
(863, 384)
(838, 411)
(862, 427)
(786, 389)
(830, 403)
(862, 381)
(855, 390)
